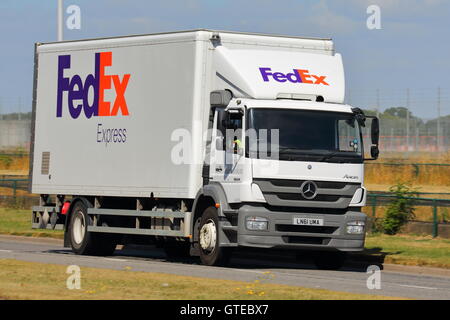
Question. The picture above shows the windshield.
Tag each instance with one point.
(308, 135)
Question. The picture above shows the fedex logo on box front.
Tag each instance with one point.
(78, 90)
(296, 76)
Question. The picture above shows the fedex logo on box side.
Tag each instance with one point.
(296, 76)
(78, 89)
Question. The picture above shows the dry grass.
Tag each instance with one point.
(14, 164)
(420, 188)
(10, 191)
(438, 177)
(377, 177)
(23, 173)
(27, 280)
(429, 179)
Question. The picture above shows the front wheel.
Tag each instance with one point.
(211, 254)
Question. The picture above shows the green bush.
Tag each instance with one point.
(401, 209)
(377, 226)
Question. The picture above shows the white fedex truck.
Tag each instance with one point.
(200, 141)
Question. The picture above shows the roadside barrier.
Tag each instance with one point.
(375, 200)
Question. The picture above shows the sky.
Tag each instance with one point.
(410, 51)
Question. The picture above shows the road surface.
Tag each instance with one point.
(417, 283)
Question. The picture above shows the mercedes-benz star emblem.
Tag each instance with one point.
(308, 190)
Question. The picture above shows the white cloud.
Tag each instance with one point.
(326, 20)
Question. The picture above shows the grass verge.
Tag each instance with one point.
(30, 280)
(18, 222)
(410, 250)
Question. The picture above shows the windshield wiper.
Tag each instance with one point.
(338, 153)
(290, 150)
(329, 156)
(296, 154)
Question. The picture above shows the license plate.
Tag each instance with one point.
(308, 221)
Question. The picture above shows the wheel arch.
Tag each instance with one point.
(209, 195)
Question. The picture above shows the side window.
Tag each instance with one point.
(235, 126)
(229, 127)
(348, 138)
(227, 120)
(235, 122)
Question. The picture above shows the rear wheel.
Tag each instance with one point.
(329, 260)
(84, 242)
(211, 254)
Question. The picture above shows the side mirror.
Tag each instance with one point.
(374, 137)
(374, 152)
(375, 131)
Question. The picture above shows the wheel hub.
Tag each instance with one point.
(208, 236)
(78, 228)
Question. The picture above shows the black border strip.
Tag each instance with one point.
(33, 116)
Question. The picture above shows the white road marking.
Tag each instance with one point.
(115, 259)
(417, 287)
(1, 250)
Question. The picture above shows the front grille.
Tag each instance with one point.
(298, 183)
(310, 210)
(306, 240)
(305, 229)
(287, 193)
(298, 196)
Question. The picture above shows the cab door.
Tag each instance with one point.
(227, 147)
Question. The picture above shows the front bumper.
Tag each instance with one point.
(282, 233)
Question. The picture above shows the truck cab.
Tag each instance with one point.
(287, 152)
(296, 177)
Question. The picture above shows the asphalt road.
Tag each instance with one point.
(417, 283)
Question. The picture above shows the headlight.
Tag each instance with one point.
(355, 227)
(257, 223)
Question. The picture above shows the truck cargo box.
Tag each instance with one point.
(109, 112)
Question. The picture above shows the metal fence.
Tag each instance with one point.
(14, 184)
(378, 199)
(416, 167)
(14, 192)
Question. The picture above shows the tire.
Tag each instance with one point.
(177, 250)
(84, 242)
(211, 254)
(329, 260)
